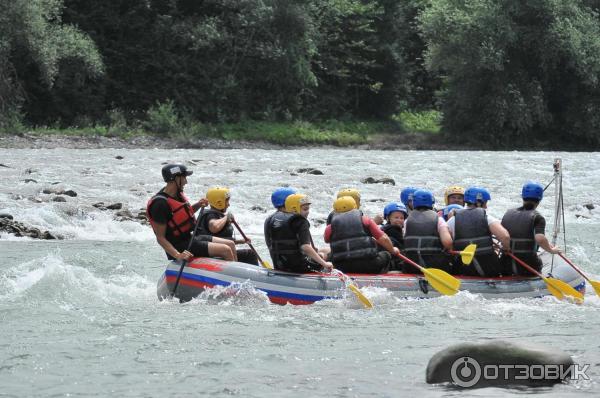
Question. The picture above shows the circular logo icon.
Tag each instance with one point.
(465, 372)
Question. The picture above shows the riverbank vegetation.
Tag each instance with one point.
(500, 73)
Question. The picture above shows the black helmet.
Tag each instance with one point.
(170, 171)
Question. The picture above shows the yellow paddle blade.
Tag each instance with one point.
(266, 264)
(441, 281)
(363, 299)
(468, 253)
(564, 289)
(596, 286)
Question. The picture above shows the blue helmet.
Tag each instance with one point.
(449, 208)
(407, 194)
(423, 198)
(477, 194)
(532, 190)
(280, 194)
(392, 207)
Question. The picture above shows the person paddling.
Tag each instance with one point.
(426, 235)
(172, 219)
(354, 240)
(527, 228)
(217, 223)
(278, 198)
(474, 225)
(291, 244)
(354, 194)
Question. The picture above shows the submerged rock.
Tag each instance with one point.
(19, 229)
(59, 199)
(28, 180)
(70, 193)
(310, 170)
(6, 215)
(115, 206)
(497, 363)
(589, 206)
(384, 180)
(119, 157)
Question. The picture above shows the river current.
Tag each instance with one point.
(80, 316)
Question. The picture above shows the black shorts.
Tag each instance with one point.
(199, 246)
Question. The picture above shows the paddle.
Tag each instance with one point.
(263, 263)
(184, 262)
(558, 288)
(440, 280)
(467, 254)
(595, 284)
(350, 285)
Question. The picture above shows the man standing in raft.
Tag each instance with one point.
(172, 219)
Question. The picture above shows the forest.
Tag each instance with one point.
(502, 73)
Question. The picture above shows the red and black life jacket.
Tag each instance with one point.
(182, 220)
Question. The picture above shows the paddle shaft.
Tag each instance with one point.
(247, 240)
(184, 262)
(575, 267)
(525, 265)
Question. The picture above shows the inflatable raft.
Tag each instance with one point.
(283, 287)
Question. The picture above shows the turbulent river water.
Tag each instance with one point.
(80, 317)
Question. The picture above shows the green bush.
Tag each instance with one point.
(420, 122)
(163, 119)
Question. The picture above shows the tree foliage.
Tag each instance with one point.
(515, 72)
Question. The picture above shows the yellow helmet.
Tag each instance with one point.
(353, 193)
(217, 196)
(294, 202)
(453, 190)
(344, 204)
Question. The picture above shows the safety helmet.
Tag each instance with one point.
(532, 190)
(449, 208)
(294, 202)
(407, 194)
(172, 170)
(423, 198)
(352, 192)
(477, 194)
(453, 190)
(278, 196)
(217, 196)
(392, 207)
(344, 204)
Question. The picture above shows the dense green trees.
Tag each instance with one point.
(501, 71)
(516, 72)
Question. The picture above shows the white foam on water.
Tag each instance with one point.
(239, 294)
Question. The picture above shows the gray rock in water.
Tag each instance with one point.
(475, 364)
(6, 215)
(28, 180)
(115, 206)
(384, 180)
(119, 157)
(310, 170)
(58, 199)
(3, 165)
(124, 214)
(258, 208)
(49, 191)
(236, 170)
(70, 192)
(589, 206)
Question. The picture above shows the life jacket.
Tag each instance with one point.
(520, 225)
(395, 234)
(283, 243)
(471, 226)
(225, 233)
(422, 242)
(349, 238)
(182, 220)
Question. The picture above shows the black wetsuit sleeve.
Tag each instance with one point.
(539, 224)
(160, 211)
(301, 227)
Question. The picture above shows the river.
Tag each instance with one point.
(80, 317)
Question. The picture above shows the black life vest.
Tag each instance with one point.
(395, 234)
(422, 242)
(182, 220)
(471, 226)
(520, 224)
(349, 238)
(282, 242)
(225, 233)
